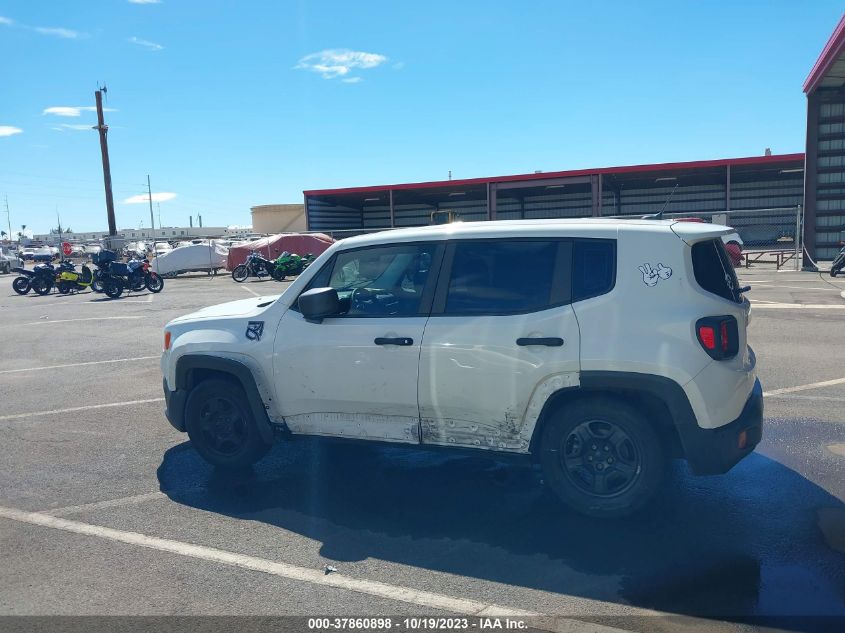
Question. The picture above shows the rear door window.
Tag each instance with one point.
(508, 276)
(713, 270)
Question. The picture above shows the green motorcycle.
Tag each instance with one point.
(290, 265)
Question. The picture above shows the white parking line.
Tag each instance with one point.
(111, 318)
(758, 305)
(110, 503)
(792, 396)
(93, 362)
(35, 414)
(396, 593)
(248, 289)
(811, 385)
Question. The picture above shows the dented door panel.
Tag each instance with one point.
(480, 389)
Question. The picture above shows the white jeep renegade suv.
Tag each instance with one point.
(599, 348)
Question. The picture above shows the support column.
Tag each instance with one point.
(392, 212)
(810, 178)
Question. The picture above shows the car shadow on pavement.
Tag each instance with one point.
(745, 544)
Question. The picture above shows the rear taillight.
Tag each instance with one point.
(718, 336)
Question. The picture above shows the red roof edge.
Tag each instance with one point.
(700, 164)
(830, 52)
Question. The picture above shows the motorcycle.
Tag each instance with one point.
(291, 265)
(69, 281)
(101, 261)
(255, 266)
(40, 279)
(133, 275)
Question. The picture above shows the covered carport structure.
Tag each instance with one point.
(700, 187)
(825, 176)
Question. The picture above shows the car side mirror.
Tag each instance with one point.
(319, 303)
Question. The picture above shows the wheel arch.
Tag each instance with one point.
(191, 369)
(661, 400)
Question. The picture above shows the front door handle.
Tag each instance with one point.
(552, 341)
(402, 340)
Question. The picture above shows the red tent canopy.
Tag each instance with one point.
(273, 246)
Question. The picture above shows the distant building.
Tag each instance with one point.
(278, 218)
(167, 233)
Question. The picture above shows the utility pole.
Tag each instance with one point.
(8, 218)
(103, 129)
(59, 220)
(150, 198)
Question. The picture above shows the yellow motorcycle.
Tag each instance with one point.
(69, 281)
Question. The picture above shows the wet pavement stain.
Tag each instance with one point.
(832, 525)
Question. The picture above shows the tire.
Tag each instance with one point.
(41, 286)
(240, 273)
(63, 287)
(21, 285)
(278, 274)
(221, 426)
(97, 285)
(154, 282)
(113, 288)
(5, 268)
(602, 458)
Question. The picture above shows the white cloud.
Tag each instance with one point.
(144, 1)
(73, 110)
(57, 31)
(351, 80)
(6, 21)
(9, 130)
(162, 196)
(145, 43)
(338, 62)
(73, 126)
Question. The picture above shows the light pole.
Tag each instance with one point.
(8, 217)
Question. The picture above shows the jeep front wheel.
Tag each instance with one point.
(221, 426)
(601, 457)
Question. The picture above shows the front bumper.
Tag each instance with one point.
(174, 406)
(716, 451)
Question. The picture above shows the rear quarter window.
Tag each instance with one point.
(593, 268)
(713, 270)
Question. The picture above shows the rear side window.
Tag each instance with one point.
(714, 271)
(508, 276)
(593, 268)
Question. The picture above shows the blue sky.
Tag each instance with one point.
(233, 104)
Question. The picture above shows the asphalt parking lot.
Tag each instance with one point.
(106, 510)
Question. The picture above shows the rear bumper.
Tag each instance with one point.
(174, 406)
(716, 451)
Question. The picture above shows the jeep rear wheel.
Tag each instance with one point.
(221, 425)
(602, 458)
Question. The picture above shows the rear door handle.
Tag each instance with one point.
(552, 341)
(394, 341)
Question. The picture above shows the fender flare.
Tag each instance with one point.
(185, 382)
(666, 390)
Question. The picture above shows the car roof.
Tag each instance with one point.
(586, 227)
